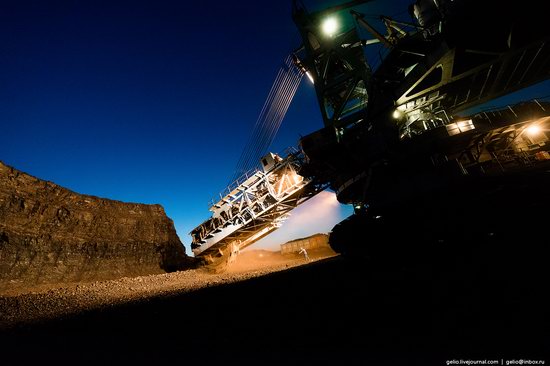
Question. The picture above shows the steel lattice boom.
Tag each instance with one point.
(252, 207)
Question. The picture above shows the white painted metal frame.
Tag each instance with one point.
(254, 208)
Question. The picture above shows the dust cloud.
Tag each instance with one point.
(318, 215)
(260, 259)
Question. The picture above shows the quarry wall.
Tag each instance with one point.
(49, 234)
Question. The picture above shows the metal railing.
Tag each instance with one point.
(247, 175)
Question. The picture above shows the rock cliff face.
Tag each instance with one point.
(49, 234)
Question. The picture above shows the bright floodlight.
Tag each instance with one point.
(330, 26)
(533, 130)
(397, 114)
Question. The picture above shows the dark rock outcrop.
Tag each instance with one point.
(49, 234)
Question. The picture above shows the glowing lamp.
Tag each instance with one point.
(330, 26)
(397, 114)
(532, 130)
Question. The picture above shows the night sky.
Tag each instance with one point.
(148, 101)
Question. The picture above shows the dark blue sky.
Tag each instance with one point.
(145, 101)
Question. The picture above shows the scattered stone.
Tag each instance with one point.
(19, 306)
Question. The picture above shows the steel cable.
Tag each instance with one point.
(257, 126)
(260, 131)
(270, 117)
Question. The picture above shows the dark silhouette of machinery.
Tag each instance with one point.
(400, 141)
(394, 143)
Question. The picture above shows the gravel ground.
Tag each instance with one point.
(57, 301)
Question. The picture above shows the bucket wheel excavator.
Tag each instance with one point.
(406, 140)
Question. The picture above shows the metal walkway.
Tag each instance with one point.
(254, 206)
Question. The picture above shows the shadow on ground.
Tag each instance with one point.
(479, 303)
